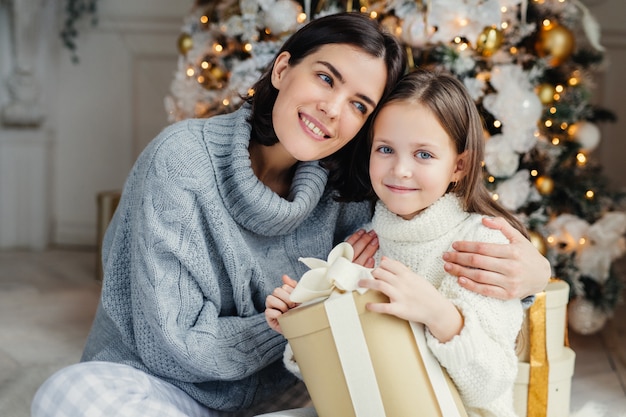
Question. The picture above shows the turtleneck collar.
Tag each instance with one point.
(251, 203)
(443, 215)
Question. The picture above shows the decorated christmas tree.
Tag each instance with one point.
(530, 66)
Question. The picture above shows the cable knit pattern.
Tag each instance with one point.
(481, 360)
(195, 246)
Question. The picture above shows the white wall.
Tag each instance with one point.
(101, 112)
(109, 106)
(611, 92)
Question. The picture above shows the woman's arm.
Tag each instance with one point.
(516, 270)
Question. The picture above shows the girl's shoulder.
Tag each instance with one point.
(476, 231)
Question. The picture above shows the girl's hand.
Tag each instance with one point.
(278, 302)
(365, 245)
(413, 298)
(505, 272)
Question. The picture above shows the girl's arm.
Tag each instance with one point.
(504, 271)
(365, 245)
(278, 303)
(481, 360)
(413, 298)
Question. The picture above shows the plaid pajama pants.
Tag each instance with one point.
(104, 389)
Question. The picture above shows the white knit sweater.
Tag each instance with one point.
(481, 360)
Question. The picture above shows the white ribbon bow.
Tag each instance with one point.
(338, 272)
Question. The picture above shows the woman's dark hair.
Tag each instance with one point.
(351, 28)
(449, 101)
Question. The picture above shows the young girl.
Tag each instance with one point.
(425, 168)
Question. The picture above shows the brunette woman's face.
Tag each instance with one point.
(324, 100)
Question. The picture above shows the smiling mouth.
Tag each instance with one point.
(400, 189)
(313, 127)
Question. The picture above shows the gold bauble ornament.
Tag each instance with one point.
(219, 74)
(489, 41)
(213, 75)
(185, 43)
(556, 42)
(538, 242)
(545, 92)
(545, 185)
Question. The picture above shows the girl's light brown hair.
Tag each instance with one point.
(450, 102)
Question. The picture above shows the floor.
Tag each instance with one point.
(47, 302)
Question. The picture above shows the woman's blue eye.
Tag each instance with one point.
(423, 155)
(361, 107)
(326, 78)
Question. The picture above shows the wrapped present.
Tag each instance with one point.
(107, 202)
(294, 412)
(557, 388)
(546, 366)
(358, 363)
(554, 314)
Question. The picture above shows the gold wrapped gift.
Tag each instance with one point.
(358, 363)
(543, 384)
(557, 388)
(400, 376)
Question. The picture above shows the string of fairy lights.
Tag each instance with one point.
(529, 64)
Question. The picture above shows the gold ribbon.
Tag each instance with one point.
(539, 368)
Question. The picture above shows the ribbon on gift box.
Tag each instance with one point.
(539, 367)
(335, 279)
(539, 375)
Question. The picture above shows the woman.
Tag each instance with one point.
(215, 211)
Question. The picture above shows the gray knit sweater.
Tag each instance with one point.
(195, 246)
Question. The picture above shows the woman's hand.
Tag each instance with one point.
(365, 245)
(516, 270)
(278, 302)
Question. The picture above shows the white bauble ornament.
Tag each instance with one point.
(527, 108)
(282, 17)
(414, 31)
(587, 134)
(584, 318)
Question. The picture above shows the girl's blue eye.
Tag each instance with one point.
(423, 155)
(385, 149)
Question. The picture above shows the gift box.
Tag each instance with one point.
(558, 387)
(294, 412)
(107, 202)
(556, 298)
(546, 367)
(358, 363)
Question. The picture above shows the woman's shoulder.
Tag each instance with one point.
(177, 153)
(201, 134)
(175, 139)
(190, 139)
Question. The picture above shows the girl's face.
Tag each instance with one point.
(324, 100)
(413, 160)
